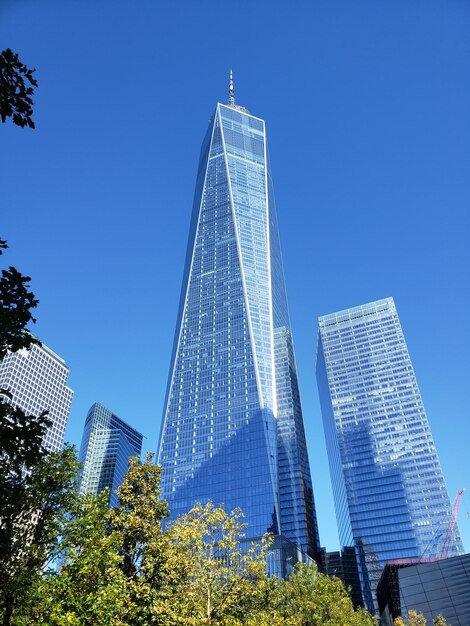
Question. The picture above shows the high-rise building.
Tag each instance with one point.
(343, 565)
(107, 444)
(232, 429)
(37, 380)
(390, 497)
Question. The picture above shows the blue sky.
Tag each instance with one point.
(367, 107)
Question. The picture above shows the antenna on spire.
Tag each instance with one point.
(231, 91)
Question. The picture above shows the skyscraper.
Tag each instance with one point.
(107, 444)
(37, 379)
(390, 497)
(232, 429)
(343, 565)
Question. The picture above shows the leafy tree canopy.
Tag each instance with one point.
(36, 488)
(309, 598)
(414, 618)
(34, 507)
(122, 567)
(16, 90)
(16, 304)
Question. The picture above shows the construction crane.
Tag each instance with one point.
(447, 539)
(451, 526)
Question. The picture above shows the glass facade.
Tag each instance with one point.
(232, 429)
(390, 497)
(107, 444)
(343, 565)
(439, 587)
(37, 380)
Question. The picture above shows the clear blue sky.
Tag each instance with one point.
(368, 114)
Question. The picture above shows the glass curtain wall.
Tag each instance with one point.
(390, 495)
(232, 377)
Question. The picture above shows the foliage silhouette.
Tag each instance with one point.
(15, 92)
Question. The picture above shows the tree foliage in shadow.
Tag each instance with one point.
(16, 90)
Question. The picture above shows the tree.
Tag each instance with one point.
(16, 303)
(20, 488)
(34, 508)
(36, 487)
(15, 93)
(20, 434)
(144, 548)
(112, 561)
(121, 567)
(216, 577)
(309, 598)
(90, 587)
(417, 619)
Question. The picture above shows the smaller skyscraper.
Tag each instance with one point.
(107, 444)
(343, 565)
(37, 380)
(390, 496)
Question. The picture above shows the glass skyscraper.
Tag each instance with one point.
(232, 429)
(37, 380)
(107, 444)
(390, 497)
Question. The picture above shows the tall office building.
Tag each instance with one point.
(343, 565)
(107, 444)
(232, 429)
(390, 497)
(37, 379)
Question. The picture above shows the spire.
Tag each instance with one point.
(231, 91)
(231, 96)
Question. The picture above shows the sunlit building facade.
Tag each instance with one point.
(232, 429)
(37, 380)
(390, 496)
(107, 445)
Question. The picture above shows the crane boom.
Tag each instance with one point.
(451, 526)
